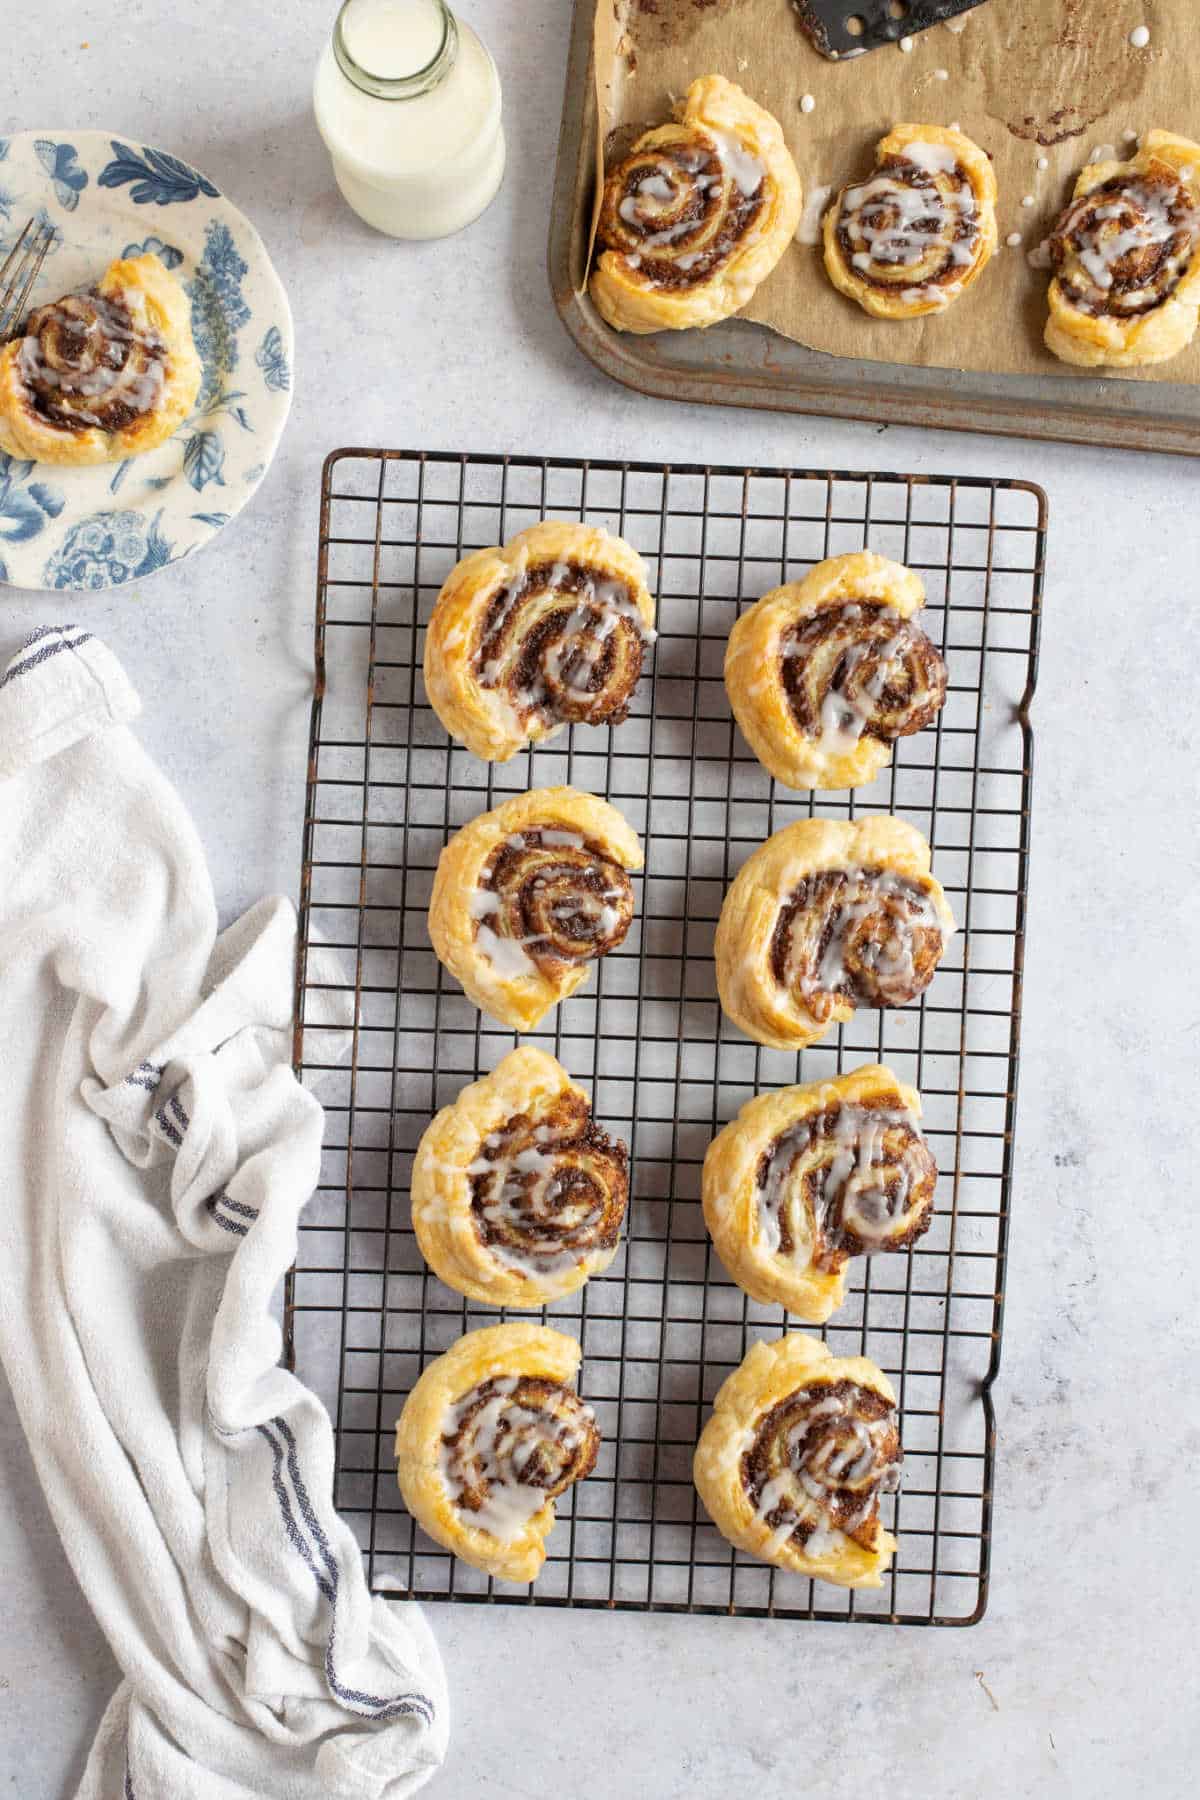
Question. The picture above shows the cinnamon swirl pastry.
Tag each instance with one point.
(1126, 259)
(791, 1464)
(824, 674)
(826, 916)
(526, 897)
(101, 375)
(490, 1436)
(549, 631)
(919, 230)
(517, 1195)
(697, 214)
(806, 1178)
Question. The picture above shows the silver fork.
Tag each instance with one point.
(20, 270)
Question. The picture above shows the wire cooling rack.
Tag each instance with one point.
(664, 1326)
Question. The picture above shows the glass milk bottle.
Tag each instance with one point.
(408, 102)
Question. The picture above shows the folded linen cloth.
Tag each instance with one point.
(155, 1152)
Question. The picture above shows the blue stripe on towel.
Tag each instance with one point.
(398, 1706)
(168, 1130)
(230, 1225)
(48, 649)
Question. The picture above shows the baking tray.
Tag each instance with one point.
(664, 1326)
(736, 363)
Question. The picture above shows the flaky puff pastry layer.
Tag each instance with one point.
(497, 1351)
(769, 1374)
(754, 668)
(488, 718)
(731, 1191)
(520, 1000)
(526, 1083)
(763, 1007)
(920, 162)
(720, 120)
(156, 305)
(1090, 338)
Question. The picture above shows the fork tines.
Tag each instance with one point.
(19, 271)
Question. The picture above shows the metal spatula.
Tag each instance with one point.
(842, 28)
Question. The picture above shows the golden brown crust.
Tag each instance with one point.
(547, 631)
(517, 1196)
(794, 1409)
(445, 1451)
(102, 376)
(824, 673)
(1126, 255)
(809, 1176)
(525, 898)
(697, 215)
(798, 940)
(912, 236)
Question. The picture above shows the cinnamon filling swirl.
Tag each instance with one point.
(677, 211)
(861, 670)
(86, 365)
(549, 899)
(846, 1182)
(564, 642)
(1122, 249)
(513, 1443)
(867, 935)
(818, 1463)
(913, 227)
(547, 1191)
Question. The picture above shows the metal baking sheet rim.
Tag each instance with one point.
(738, 363)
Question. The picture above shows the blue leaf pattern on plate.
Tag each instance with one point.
(25, 510)
(273, 362)
(107, 549)
(61, 165)
(203, 459)
(167, 254)
(155, 176)
(216, 520)
(218, 311)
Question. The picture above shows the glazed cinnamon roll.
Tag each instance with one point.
(1126, 259)
(791, 1465)
(101, 375)
(527, 897)
(824, 674)
(919, 230)
(827, 916)
(806, 1178)
(491, 1435)
(697, 215)
(517, 1194)
(546, 632)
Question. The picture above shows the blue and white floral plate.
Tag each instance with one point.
(107, 197)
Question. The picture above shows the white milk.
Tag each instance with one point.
(408, 102)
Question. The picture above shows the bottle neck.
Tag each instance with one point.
(397, 87)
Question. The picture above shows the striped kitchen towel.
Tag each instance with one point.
(155, 1153)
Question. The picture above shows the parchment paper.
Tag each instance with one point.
(1056, 79)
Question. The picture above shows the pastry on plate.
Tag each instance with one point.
(517, 1194)
(824, 674)
(491, 1435)
(696, 215)
(805, 1178)
(526, 897)
(1126, 259)
(101, 375)
(915, 233)
(546, 632)
(800, 1445)
(826, 916)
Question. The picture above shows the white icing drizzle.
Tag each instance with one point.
(507, 955)
(852, 1181)
(901, 223)
(744, 169)
(596, 610)
(505, 1436)
(802, 1498)
(1013, 239)
(809, 229)
(1139, 37)
(807, 103)
(845, 713)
